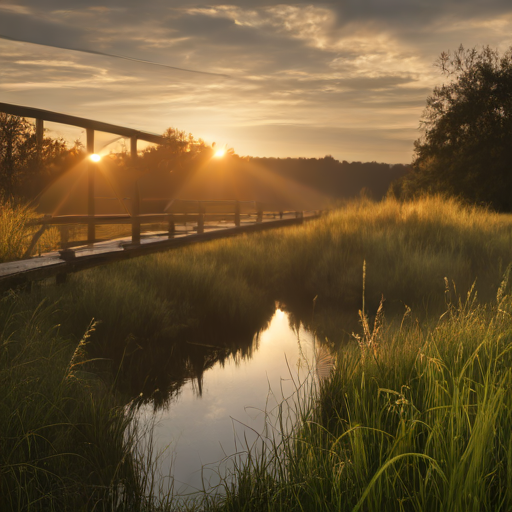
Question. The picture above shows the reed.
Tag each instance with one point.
(65, 441)
(409, 249)
(421, 423)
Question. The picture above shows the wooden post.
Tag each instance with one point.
(259, 209)
(64, 236)
(237, 213)
(172, 227)
(135, 196)
(91, 235)
(200, 219)
(39, 139)
(280, 215)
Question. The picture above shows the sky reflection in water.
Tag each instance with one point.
(238, 399)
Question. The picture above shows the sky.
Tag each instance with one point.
(303, 79)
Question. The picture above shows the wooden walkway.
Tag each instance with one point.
(213, 219)
(60, 263)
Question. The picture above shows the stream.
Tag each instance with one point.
(231, 406)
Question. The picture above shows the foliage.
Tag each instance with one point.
(335, 179)
(233, 284)
(16, 232)
(24, 171)
(17, 149)
(378, 435)
(465, 150)
(179, 154)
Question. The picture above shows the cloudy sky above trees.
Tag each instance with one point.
(347, 78)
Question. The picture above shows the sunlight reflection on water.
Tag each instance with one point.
(240, 400)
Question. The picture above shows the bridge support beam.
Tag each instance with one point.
(91, 171)
(237, 214)
(172, 226)
(39, 139)
(200, 219)
(135, 196)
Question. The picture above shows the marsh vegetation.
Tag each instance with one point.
(374, 437)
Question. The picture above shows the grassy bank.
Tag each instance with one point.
(409, 249)
(398, 401)
(65, 442)
(413, 419)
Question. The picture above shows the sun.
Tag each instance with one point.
(95, 158)
(219, 153)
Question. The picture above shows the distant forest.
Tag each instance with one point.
(181, 168)
(340, 180)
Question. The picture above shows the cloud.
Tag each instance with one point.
(295, 69)
(19, 9)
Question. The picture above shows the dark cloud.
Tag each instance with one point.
(30, 28)
(190, 34)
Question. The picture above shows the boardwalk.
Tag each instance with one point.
(212, 219)
(59, 263)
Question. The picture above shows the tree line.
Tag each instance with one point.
(25, 171)
(335, 179)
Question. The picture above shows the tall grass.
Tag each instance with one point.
(64, 440)
(16, 233)
(403, 427)
(409, 249)
(421, 423)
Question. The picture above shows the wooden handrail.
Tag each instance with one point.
(198, 214)
(81, 122)
(146, 218)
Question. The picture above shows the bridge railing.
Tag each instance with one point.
(178, 213)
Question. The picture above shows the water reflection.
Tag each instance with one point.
(216, 385)
(231, 400)
(154, 372)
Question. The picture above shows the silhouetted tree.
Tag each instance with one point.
(466, 148)
(16, 150)
(178, 155)
(23, 170)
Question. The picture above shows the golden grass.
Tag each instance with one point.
(16, 233)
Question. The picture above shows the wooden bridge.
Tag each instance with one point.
(90, 127)
(183, 223)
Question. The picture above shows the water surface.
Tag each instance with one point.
(197, 433)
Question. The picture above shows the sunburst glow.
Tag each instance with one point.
(95, 158)
(219, 153)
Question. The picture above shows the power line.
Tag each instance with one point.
(104, 54)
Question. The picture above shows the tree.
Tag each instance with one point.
(466, 148)
(178, 154)
(23, 170)
(16, 149)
